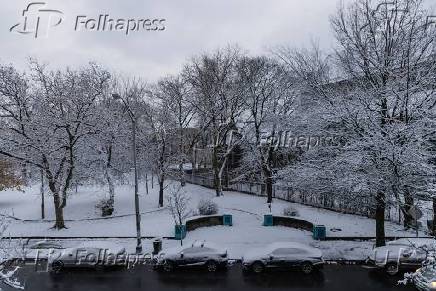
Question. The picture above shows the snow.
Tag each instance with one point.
(247, 231)
(258, 253)
(110, 247)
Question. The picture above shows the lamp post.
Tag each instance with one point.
(137, 213)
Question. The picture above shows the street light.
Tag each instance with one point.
(137, 214)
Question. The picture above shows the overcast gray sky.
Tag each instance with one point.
(192, 27)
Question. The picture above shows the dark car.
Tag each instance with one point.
(287, 255)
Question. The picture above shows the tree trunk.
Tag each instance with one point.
(216, 170)
(380, 219)
(434, 217)
(111, 188)
(267, 179)
(59, 212)
(161, 191)
(146, 182)
(42, 195)
(408, 203)
(182, 175)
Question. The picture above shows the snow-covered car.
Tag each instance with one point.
(90, 254)
(196, 254)
(284, 255)
(41, 250)
(403, 254)
(424, 278)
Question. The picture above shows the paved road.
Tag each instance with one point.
(337, 278)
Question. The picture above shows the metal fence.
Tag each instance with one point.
(362, 205)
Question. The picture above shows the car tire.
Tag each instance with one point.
(211, 266)
(257, 267)
(168, 266)
(57, 266)
(307, 268)
(392, 269)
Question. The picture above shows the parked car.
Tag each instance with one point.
(88, 255)
(286, 255)
(41, 250)
(403, 254)
(424, 278)
(199, 253)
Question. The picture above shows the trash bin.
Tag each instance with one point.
(319, 232)
(180, 232)
(157, 246)
(227, 220)
(268, 220)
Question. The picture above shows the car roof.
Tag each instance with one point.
(204, 244)
(288, 245)
(45, 242)
(194, 244)
(109, 246)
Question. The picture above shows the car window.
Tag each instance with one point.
(193, 250)
(287, 251)
(45, 246)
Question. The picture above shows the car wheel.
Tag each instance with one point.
(257, 267)
(307, 268)
(211, 266)
(57, 266)
(168, 266)
(392, 269)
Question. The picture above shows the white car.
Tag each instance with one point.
(196, 254)
(87, 255)
(285, 255)
(41, 250)
(403, 254)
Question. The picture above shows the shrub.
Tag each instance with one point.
(207, 207)
(106, 207)
(290, 211)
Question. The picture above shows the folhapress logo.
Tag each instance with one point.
(38, 20)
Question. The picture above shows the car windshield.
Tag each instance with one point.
(288, 251)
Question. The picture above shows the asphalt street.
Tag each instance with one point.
(333, 277)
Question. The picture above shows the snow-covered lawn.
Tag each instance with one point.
(247, 230)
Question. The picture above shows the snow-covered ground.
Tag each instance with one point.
(247, 230)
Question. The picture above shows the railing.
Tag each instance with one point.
(339, 203)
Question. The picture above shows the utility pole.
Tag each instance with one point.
(137, 213)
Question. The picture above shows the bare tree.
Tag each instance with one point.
(382, 107)
(44, 127)
(270, 102)
(174, 94)
(217, 102)
(178, 203)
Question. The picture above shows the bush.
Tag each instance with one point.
(106, 207)
(207, 207)
(290, 211)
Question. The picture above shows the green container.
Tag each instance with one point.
(180, 232)
(268, 220)
(227, 220)
(319, 232)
